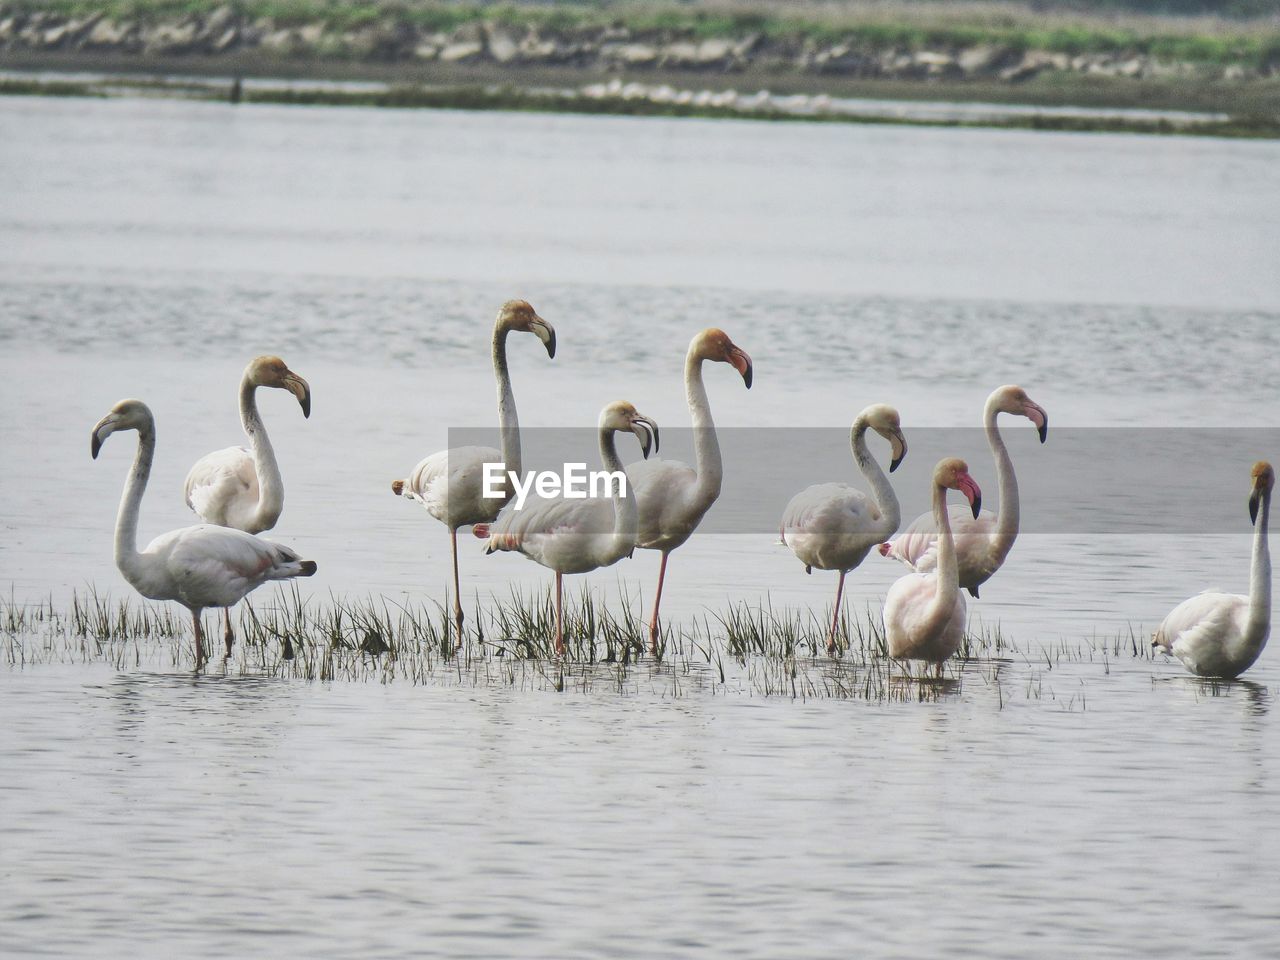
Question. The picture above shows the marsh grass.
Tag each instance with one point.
(746, 649)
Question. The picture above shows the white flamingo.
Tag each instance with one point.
(241, 487)
(1218, 634)
(672, 497)
(833, 526)
(200, 566)
(924, 613)
(982, 542)
(450, 483)
(579, 535)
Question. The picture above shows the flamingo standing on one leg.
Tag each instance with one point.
(199, 566)
(1218, 634)
(238, 487)
(833, 526)
(982, 542)
(450, 483)
(924, 613)
(672, 498)
(578, 535)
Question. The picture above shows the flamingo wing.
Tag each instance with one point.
(1199, 630)
(222, 487)
(664, 491)
(212, 566)
(450, 485)
(831, 526)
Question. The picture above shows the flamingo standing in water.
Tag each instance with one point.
(450, 483)
(672, 498)
(200, 566)
(1218, 634)
(982, 542)
(833, 526)
(579, 535)
(238, 487)
(924, 613)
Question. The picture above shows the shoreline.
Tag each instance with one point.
(946, 105)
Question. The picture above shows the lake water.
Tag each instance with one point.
(1099, 802)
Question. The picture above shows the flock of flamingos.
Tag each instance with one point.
(238, 493)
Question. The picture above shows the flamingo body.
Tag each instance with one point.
(222, 489)
(450, 486)
(832, 526)
(916, 631)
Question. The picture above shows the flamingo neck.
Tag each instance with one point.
(947, 571)
(626, 519)
(886, 499)
(128, 559)
(507, 418)
(1007, 520)
(710, 469)
(1258, 626)
(270, 485)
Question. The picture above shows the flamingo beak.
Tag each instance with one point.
(101, 430)
(1254, 499)
(299, 388)
(969, 487)
(1035, 413)
(899, 444)
(544, 332)
(742, 363)
(646, 432)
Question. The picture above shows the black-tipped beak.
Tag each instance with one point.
(1037, 416)
(742, 363)
(546, 333)
(300, 389)
(646, 432)
(977, 506)
(95, 445)
(901, 445)
(101, 430)
(1254, 499)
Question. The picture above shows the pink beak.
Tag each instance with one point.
(969, 487)
(742, 363)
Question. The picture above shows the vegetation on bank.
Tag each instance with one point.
(905, 25)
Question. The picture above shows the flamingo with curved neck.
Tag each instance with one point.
(1218, 634)
(833, 526)
(450, 483)
(579, 535)
(924, 613)
(199, 566)
(672, 497)
(982, 542)
(241, 487)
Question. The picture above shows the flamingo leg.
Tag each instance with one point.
(835, 617)
(657, 600)
(559, 622)
(457, 593)
(228, 636)
(199, 631)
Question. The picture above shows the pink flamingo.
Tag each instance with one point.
(982, 542)
(672, 498)
(924, 613)
(833, 526)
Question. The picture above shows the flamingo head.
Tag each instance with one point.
(884, 420)
(714, 344)
(623, 417)
(953, 474)
(125, 415)
(519, 315)
(272, 372)
(1264, 478)
(1013, 399)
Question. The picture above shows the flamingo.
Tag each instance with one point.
(199, 566)
(450, 483)
(1218, 634)
(833, 526)
(982, 542)
(671, 497)
(579, 535)
(238, 487)
(924, 613)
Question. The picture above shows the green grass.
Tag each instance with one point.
(909, 25)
